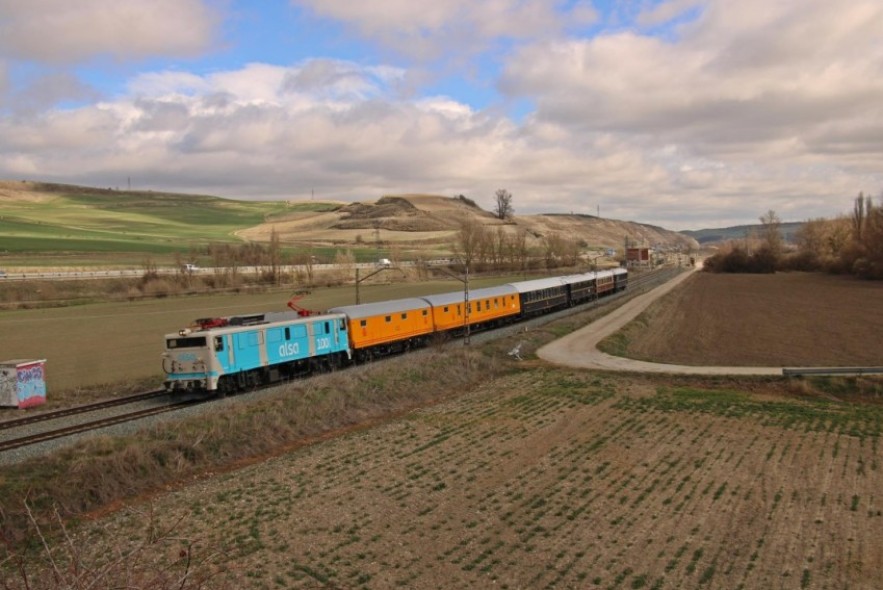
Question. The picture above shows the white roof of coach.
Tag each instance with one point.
(571, 279)
(364, 310)
(537, 284)
(457, 296)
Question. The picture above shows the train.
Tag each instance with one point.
(223, 355)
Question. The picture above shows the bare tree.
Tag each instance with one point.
(553, 249)
(860, 213)
(771, 234)
(499, 246)
(503, 204)
(468, 241)
(275, 256)
(520, 249)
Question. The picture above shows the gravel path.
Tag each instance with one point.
(580, 349)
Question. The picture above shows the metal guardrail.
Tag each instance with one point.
(851, 371)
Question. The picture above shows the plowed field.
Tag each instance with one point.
(785, 319)
(555, 479)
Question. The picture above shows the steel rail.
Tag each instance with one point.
(48, 435)
(73, 411)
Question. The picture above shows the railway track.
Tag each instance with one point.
(73, 411)
(47, 435)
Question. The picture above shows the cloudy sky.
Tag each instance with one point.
(680, 113)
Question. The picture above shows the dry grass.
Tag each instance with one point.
(104, 469)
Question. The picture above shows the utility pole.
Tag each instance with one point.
(466, 300)
(367, 276)
(465, 280)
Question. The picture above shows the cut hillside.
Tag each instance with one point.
(430, 220)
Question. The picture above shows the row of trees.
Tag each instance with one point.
(479, 246)
(849, 244)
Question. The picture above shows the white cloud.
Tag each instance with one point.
(4, 81)
(429, 29)
(64, 31)
(737, 108)
(666, 12)
(771, 91)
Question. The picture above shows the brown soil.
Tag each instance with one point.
(551, 479)
(785, 319)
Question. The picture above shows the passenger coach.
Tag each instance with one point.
(488, 307)
(387, 327)
(541, 295)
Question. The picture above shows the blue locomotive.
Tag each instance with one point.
(239, 352)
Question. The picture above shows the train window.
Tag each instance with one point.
(425, 312)
(388, 318)
(192, 342)
(342, 324)
(404, 316)
(363, 323)
(446, 309)
(219, 343)
(327, 327)
(288, 333)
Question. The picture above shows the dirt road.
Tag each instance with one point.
(579, 349)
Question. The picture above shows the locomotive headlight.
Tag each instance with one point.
(184, 332)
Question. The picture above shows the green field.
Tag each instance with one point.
(82, 223)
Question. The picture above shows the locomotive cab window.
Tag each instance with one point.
(446, 309)
(404, 316)
(219, 343)
(327, 327)
(388, 318)
(288, 333)
(363, 323)
(191, 342)
(342, 324)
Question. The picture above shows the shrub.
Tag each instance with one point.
(738, 260)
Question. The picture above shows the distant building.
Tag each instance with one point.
(637, 256)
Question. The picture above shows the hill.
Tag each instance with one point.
(430, 222)
(706, 237)
(42, 218)
(36, 217)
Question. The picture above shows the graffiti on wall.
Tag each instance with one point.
(23, 385)
(31, 384)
